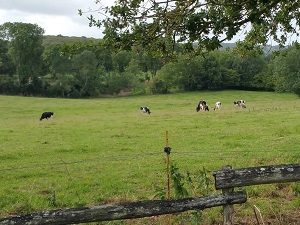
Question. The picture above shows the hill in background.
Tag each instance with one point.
(266, 49)
(60, 39)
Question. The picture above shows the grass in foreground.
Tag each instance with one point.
(105, 150)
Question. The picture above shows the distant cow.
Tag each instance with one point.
(240, 103)
(202, 106)
(47, 115)
(217, 105)
(145, 109)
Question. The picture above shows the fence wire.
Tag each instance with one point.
(211, 155)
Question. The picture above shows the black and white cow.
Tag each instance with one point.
(202, 106)
(145, 109)
(240, 103)
(46, 115)
(217, 105)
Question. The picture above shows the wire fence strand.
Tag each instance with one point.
(211, 154)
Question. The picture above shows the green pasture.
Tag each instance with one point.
(103, 150)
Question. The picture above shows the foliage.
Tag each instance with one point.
(9, 86)
(118, 81)
(6, 64)
(265, 79)
(86, 78)
(216, 70)
(286, 70)
(187, 185)
(249, 67)
(61, 40)
(87, 68)
(158, 26)
(25, 48)
(149, 62)
(178, 182)
(158, 86)
(229, 67)
(121, 60)
(58, 65)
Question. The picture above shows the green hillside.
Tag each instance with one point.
(59, 39)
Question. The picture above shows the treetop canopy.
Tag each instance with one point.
(199, 25)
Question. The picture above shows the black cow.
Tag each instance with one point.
(145, 109)
(202, 105)
(46, 115)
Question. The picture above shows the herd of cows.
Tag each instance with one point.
(202, 105)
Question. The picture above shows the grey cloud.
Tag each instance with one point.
(54, 16)
(48, 7)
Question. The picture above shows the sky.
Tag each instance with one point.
(56, 17)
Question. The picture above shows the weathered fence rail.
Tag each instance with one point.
(230, 178)
(125, 210)
(226, 179)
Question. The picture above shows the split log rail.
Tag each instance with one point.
(226, 180)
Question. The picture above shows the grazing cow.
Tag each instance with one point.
(205, 108)
(243, 105)
(217, 105)
(240, 103)
(47, 115)
(202, 106)
(145, 109)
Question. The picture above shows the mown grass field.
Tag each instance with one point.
(105, 150)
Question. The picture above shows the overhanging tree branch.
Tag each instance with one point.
(207, 23)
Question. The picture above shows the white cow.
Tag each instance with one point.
(217, 105)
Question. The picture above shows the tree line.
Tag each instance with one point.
(92, 69)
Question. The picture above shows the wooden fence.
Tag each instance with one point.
(225, 179)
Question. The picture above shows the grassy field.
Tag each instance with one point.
(105, 150)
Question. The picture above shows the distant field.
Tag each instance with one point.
(105, 150)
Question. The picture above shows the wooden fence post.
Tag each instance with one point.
(227, 209)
